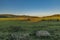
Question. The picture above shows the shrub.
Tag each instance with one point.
(15, 29)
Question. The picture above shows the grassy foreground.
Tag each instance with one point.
(7, 27)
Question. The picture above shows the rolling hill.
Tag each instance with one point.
(28, 18)
(18, 17)
(52, 17)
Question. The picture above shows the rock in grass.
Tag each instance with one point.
(42, 33)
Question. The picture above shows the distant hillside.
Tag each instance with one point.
(10, 16)
(28, 18)
(18, 17)
(52, 17)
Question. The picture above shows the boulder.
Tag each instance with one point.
(42, 33)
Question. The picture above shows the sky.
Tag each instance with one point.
(30, 7)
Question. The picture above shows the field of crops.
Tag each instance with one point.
(10, 27)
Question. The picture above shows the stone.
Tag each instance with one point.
(42, 33)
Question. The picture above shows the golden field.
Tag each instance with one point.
(29, 18)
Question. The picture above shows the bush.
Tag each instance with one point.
(15, 29)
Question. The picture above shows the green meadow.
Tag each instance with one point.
(9, 27)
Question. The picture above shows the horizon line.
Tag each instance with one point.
(30, 15)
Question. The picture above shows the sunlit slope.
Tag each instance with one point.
(22, 19)
(19, 17)
(29, 18)
(52, 17)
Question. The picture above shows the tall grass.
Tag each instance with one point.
(18, 28)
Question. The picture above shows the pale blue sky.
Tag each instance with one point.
(30, 7)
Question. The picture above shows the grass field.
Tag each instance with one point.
(7, 27)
